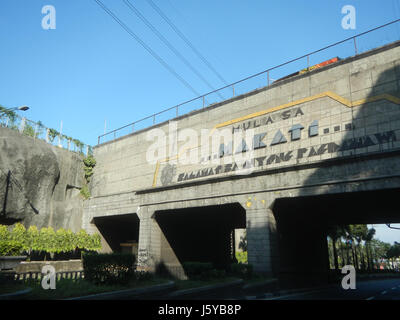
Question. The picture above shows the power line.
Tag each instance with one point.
(168, 44)
(145, 46)
(186, 40)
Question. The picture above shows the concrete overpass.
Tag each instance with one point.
(322, 148)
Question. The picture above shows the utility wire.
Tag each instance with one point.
(186, 40)
(145, 46)
(168, 44)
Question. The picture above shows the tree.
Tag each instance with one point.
(379, 249)
(359, 233)
(11, 115)
(392, 253)
(370, 235)
(334, 233)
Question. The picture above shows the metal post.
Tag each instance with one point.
(308, 63)
(59, 136)
(268, 77)
(22, 125)
(176, 110)
(233, 90)
(355, 45)
(203, 102)
(154, 118)
(36, 129)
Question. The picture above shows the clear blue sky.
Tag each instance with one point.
(89, 69)
(386, 234)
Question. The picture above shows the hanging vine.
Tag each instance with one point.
(89, 163)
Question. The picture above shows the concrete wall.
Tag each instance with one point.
(324, 95)
(353, 148)
(43, 185)
(60, 266)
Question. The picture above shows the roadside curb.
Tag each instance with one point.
(262, 284)
(186, 293)
(15, 295)
(128, 294)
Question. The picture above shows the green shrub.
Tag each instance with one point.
(85, 193)
(32, 238)
(12, 243)
(11, 248)
(196, 269)
(29, 130)
(4, 233)
(89, 163)
(46, 241)
(143, 275)
(88, 242)
(108, 268)
(213, 274)
(244, 271)
(65, 241)
(52, 134)
(241, 257)
(202, 271)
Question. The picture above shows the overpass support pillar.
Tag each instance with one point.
(149, 241)
(154, 250)
(261, 240)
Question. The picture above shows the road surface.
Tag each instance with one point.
(388, 289)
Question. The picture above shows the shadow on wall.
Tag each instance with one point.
(29, 174)
(199, 234)
(367, 148)
(120, 232)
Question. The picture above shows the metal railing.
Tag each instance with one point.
(37, 130)
(348, 47)
(37, 275)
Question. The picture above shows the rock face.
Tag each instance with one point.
(39, 183)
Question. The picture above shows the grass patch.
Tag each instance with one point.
(68, 288)
(189, 284)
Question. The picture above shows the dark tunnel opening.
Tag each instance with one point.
(302, 225)
(120, 232)
(201, 234)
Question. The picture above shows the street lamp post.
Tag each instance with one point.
(5, 111)
(22, 108)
